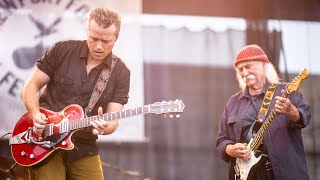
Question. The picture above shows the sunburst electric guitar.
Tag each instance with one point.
(243, 167)
(28, 148)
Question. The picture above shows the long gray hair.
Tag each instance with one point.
(270, 72)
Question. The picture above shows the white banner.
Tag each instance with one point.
(29, 27)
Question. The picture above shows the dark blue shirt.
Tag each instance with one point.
(283, 138)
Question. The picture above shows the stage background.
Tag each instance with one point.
(172, 55)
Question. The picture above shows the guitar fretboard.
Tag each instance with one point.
(66, 124)
(85, 122)
(260, 134)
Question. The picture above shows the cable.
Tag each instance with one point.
(10, 170)
(4, 135)
(134, 174)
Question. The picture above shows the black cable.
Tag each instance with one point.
(4, 135)
(10, 170)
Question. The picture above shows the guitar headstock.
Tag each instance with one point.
(165, 107)
(296, 82)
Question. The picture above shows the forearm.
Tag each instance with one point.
(221, 146)
(105, 127)
(30, 91)
(304, 117)
(30, 98)
(294, 115)
(112, 125)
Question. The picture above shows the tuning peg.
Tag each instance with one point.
(164, 115)
(171, 116)
(178, 115)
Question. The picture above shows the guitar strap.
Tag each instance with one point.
(100, 86)
(265, 105)
(266, 102)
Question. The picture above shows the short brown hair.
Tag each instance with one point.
(105, 17)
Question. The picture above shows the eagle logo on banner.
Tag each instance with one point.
(27, 30)
(26, 57)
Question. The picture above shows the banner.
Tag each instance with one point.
(28, 28)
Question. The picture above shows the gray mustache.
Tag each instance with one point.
(248, 77)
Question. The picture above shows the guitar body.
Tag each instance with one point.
(245, 167)
(29, 149)
(27, 152)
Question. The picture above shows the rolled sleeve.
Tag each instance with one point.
(305, 117)
(48, 63)
(303, 107)
(222, 150)
(223, 137)
(121, 91)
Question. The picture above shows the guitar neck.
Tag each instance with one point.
(85, 122)
(263, 129)
(67, 124)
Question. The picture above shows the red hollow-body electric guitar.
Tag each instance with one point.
(28, 148)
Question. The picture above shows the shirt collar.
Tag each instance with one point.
(107, 61)
(245, 92)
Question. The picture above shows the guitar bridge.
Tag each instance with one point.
(237, 172)
(31, 139)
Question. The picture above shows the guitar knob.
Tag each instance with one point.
(64, 143)
(23, 153)
(31, 156)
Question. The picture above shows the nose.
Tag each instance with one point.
(99, 45)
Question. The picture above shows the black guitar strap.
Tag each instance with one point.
(265, 105)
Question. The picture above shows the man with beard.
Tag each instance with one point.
(282, 147)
